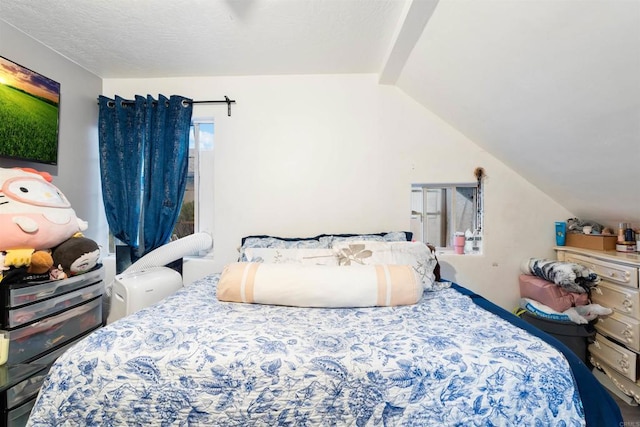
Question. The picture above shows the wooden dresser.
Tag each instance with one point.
(616, 349)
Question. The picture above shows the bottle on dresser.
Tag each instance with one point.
(626, 238)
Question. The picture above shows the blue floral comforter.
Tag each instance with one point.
(192, 360)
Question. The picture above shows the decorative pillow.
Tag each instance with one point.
(319, 285)
(415, 254)
(292, 256)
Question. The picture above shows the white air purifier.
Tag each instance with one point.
(133, 291)
(146, 282)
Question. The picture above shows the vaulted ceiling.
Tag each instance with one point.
(550, 87)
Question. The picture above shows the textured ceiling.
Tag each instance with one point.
(124, 38)
(550, 87)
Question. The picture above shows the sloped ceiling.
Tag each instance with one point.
(550, 87)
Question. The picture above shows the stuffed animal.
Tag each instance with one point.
(21, 265)
(3, 267)
(34, 214)
(76, 255)
(38, 262)
(18, 258)
(41, 262)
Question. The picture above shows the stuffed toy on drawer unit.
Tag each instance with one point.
(37, 220)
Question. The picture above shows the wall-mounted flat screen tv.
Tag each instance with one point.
(29, 114)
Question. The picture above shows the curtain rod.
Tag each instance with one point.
(226, 100)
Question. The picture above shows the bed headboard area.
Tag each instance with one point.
(259, 245)
(321, 241)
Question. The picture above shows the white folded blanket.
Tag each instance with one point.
(319, 285)
(581, 314)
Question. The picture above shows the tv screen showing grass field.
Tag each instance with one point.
(29, 112)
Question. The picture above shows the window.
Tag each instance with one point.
(201, 145)
(439, 211)
(197, 198)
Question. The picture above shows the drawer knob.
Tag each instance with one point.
(628, 333)
(627, 303)
(623, 364)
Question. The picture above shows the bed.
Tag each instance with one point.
(451, 358)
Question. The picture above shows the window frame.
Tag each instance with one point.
(448, 210)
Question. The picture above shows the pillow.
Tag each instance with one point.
(436, 270)
(394, 236)
(321, 241)
(415, 254)
(292, 256)
(319, 285)
(264, 241)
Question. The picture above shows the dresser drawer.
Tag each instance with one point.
(26, 314)
(17, 295)
(621, 328)
(620, 274)
(622, 299)
(628, 387)
(616, 356)
(29, 341)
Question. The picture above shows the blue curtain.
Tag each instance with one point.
(144, 154)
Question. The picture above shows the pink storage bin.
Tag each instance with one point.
(549, 293)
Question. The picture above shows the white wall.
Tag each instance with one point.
(77, 174)
(304, 155)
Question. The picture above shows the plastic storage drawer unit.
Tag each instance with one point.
(32, 340)
(30, 387)
(25, 314)
(19, 416)
(16, 295)
(42, 319)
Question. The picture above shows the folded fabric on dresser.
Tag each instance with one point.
(570, 276)
(549, 293)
